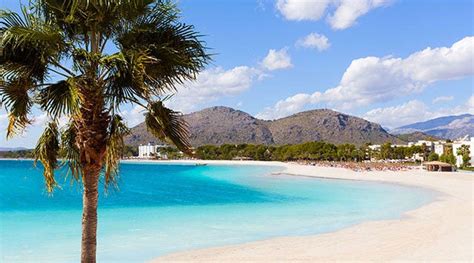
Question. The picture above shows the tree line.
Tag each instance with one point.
(317, 151)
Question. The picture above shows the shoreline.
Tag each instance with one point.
(438, 231)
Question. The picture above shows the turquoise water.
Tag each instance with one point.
(160, 209)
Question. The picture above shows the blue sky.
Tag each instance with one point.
(390, 61)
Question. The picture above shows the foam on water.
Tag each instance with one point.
(162, 208)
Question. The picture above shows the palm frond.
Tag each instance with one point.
(29, 44)
(70, 151)
(168, 126)
(77, 16)
(60, 98)
(46, 152)
(127, 77)
(115, 148)
(179, 52)
(14, 95)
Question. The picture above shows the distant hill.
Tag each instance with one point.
(449, 127)
(216, 125)
(416, 136)
(12, 149)
(221, 125)
(327, 125)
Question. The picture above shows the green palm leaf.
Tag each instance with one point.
(115, 148)
(168, 126)
(60, 98)
(70, 151)
(46, 152)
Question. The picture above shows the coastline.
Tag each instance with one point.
(439, 231)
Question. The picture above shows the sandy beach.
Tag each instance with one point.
(439, 231)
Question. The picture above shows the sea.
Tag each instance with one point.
(157, 209)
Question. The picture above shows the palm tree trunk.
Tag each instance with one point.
(91, 141)
(89, 215)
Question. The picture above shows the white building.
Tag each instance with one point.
(439, 148)
(147, 151)
(464, 141)
(429, 144)
(375, 147)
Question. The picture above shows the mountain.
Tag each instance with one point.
(14, 149)
(449, 127)
(216, 125)
(417, 136)
(221, 125)
(327, 125)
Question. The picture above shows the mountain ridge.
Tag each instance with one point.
(449, 127)
(224, 125)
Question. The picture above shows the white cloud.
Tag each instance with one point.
(414, 111)
(288, 106)
(314, 40)
(396, 116)
(344, 15)
(277, 59)
(442, 99)
(373, 80)
(212, 84)
(303, 9)
(134, 116)
(348, 11)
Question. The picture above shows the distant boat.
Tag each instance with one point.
(201, 164)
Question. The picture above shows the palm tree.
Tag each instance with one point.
(66, 41)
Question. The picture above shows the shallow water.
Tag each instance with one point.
(163, 208)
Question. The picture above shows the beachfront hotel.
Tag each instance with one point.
(151, 151)
(439, 147)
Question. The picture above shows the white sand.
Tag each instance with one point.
(439, 231)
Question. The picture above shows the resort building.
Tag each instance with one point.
(429, 144)
(150, 151)
(469, 142)
(439, 148)
(375, 147)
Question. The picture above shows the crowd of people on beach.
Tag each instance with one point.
(362, 166)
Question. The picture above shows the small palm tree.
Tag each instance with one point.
(53, 56)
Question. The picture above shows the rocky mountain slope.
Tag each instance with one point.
(220, 125)
(417, 136)
(449, 127)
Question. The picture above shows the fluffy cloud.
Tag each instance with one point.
(414, 111)
(288, 106)
(209, 85)
(314, 40)
(442, 99)
(134, 116)
(372, 80)
(348, 11)
(277, 59)
(396, 116)
(344, 15)
(212, 84)
(303, 9)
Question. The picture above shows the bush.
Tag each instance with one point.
(448, 158)
(433, 157)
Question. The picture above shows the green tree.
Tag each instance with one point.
(465, 152)
(386, 151)
(433, 157)
(65, 41)
(448, 158)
